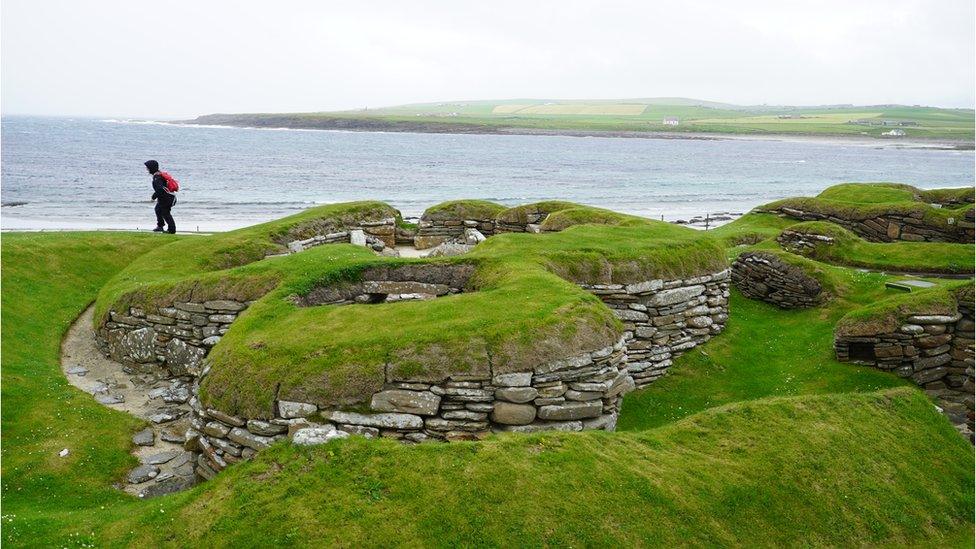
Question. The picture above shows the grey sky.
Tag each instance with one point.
(181, 59)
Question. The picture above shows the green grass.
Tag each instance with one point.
(860, 468)
(629, 115)
(464, 209)
(524, 307)
(918, 257)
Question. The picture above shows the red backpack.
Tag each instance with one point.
(172, 185)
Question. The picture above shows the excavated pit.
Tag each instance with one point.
(391, 284)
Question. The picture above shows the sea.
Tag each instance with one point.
(87, 173)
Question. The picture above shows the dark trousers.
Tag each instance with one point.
(163, 215)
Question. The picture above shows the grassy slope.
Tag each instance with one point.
(695, 116)
(822, 470)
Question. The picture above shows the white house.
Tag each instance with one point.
(894, 133)
(671, 121)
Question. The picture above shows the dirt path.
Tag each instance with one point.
(166, 467)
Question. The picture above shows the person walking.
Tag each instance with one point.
(164, 189)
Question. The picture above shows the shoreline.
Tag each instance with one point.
(387, 126)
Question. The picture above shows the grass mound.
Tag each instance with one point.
(463, 209)
(875, 468)
(519, 215)
(850, 249)
(523, 306)
(886, 315)
(860, 201)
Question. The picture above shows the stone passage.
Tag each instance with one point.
(665, 318)
(766, 277)
(893, 226)
(934, 351)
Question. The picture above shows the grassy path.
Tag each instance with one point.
(839, 469)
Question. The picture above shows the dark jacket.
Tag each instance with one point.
(159, 190)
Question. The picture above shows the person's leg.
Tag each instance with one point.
(168, 216)
(159, 215)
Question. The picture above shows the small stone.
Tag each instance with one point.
(517, 395)
(145, 437)
(165, 416)
(162, 457)
(422, 403)
(571, 410)
(246, 438)
(311, 436)
(63, 453)
(211, 341)
(224, 305)
(522, 379)
(507, 413)
(170, 436)
(290, 410)
(383, 421)
(106, 398)
(259, 427)
(142, 473)
(78, 371)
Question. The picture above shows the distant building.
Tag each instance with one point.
(894, 133)
(671, 121)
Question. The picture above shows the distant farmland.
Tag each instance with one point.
(635, 118)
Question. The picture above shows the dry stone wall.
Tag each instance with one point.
(171, 341)
(665, 318)
(934, 351)
(890, 227)
(434, 231)
(379, 235)
(766, 277)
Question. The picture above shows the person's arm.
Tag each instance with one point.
(159, 186)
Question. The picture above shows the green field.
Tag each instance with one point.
(757, 438)
(636, 116)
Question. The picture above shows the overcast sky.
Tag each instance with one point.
(182, 59)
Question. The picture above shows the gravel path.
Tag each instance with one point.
(166, 466)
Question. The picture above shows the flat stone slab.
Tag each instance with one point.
(145, 437)
(162, 457)
(142, 473)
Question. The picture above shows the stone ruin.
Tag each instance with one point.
(935, 351)
(766, 277)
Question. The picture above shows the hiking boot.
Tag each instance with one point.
(158, 230)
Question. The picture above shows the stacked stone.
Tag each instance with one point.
(934, 351)
(766, 277)
(533, 223)
(890, 227)
(399, 283)
(170, 339)
(573, 394)
(434, 231)
(665, 318)
(377, 235)
(802, 243)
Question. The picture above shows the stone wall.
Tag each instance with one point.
(377, 235)
(766, 277)
(802, 243)
(581, 392)
(891, 227)
(934, 351)
(664, 318)
(171, 341)
(434, 231)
